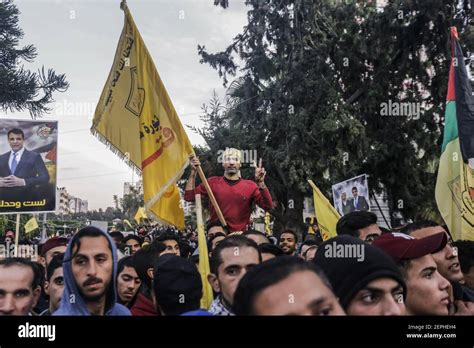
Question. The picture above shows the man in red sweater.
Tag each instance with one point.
(234, 195)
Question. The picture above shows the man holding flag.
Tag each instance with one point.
(137, 120)
(235, 196)
(455, 182)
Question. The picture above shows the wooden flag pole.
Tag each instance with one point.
(211, 197)
(17, 233)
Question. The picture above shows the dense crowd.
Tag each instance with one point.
(365, 270)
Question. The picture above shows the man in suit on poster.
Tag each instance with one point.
(21, 170)
(358, 202)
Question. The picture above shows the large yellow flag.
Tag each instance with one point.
(31, 225)
(326, 215)
(137, 120)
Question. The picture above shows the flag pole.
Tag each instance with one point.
(17, 233)
(211, 197)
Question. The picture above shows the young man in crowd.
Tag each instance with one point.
(286, 285)
(307, 244)
(177, 286)
(428, 292)
(54, 284)
(133, 242)
(19, 286)
(143, 261)
(257, 236)
(171, 241)
(364, 278)
(235, 196)
(214, 240)
(128, 282)
(446, 259)
(288, 242)
(359, 224)
(213, 228)
(230, 260)
(90, 268)
(269, 251)
(466, 261)
(52, 247)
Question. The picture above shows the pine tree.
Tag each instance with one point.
(21, 89)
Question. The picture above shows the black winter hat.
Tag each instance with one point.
(177, 284)
(350, 264)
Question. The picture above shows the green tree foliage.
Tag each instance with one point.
(312, 79)
(21, 89)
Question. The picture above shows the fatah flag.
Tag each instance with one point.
(455, 182)
(137, 120)
(326, 215)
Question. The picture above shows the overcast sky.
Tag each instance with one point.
(79, 38)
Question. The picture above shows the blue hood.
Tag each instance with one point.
(78, 306)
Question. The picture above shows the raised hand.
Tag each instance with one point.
(259, 172)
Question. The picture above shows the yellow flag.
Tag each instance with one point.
(268, 230)
(127, 222)
(137, 120)
(140, 214)
(31, 225)
(204, 267)
(326, 215)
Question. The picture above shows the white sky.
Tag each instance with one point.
(79, 38)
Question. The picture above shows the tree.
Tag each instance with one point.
(313, 81)
(20, 88)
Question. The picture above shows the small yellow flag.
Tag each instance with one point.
(140, 214)
(268, 230)
(326, 215)
(128, 223)
(31, 225)
(137, 120)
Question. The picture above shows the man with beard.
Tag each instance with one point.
(90, 267)
(235, 196)
(288, 241)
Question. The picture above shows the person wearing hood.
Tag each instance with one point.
(90, 267)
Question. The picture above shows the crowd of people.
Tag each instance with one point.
(364, 270)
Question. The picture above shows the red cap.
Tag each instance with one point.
(53, 243)
(402, 246)
(10, 234)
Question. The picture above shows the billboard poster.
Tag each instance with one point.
(28, 166)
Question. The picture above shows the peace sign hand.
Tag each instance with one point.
(259, 171)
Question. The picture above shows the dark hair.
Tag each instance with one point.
(267, 274)
(354, 188)
(19, 261)
(465, 254)
(214, 236)
(144, 259)
(235, 241)
(213, 224)
(16, 131)
(291, 232)
(56, 262)
(167, 235)
(418, 225)
(126, 261)
(89, 231)
(184, 248)
(132, 237)
(352, 222)
(269, 248)
(117, 234)
(310, 242)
